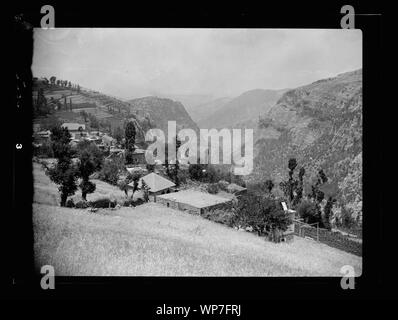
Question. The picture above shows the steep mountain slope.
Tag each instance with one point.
(190, 101)
(146, 113)
(242, 109)
(158, 111)
(203, 110)
(319, 124)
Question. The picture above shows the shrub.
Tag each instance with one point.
(110, 172)
(309, 212)
(134, 203)
(223, 185)
(196, 171)
(346, 220)
(44, 150)
(128, 203)
(261, 213)
(138, 202)
(82, 205)
(212, 188)
(70, 203)
(220, 216)
(95, 155)
(103, 203)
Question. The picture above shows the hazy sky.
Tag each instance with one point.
(131, 63)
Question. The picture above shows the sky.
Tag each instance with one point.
(131, 63)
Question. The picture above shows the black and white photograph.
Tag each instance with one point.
(197, 152)
(218, 155)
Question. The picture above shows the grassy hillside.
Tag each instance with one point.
(46, 192)
(154, 240)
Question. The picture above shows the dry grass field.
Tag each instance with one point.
(153, 240)
(46, 192)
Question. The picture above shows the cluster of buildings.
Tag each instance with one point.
(78, 133)
(164, 191)
(160, 189)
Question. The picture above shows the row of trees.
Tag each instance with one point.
(62, 83)
(315, 206)
(262, 210)
(65, 173)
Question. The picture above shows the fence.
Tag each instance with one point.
(306, 230)
(333, 239)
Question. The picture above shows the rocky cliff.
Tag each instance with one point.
(319, 124)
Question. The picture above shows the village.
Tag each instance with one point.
(160, 188)
(114, 153)
(173, 185)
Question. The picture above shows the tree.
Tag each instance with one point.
(124, 186)
(277, 221)
(64, 173)
(293, 187)
(269, 184)
(41, 103)
(86, 167)
(93, 121)
(90, 160)
(166, 159)
(118, 135)
(308, 211)
(263, 214)
(196, 171)
(177, 164)
(130, 141)
(84, 115)
(145, 189)
(292, 165)
(110, 171)
(322, 190)
(52, 80)
(316, 192)
(330, 191)
(299, 187)
(96, 154)
(129, 133)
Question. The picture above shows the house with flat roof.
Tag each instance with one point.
(193, 201)
(76, 130)
(73, 127)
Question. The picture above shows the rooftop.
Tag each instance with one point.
(195, 198)
(155, 182)
(73, 126)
